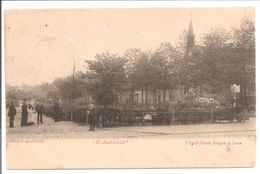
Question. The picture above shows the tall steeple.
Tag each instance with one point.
(190, 37)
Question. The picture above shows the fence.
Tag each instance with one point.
(117, 117)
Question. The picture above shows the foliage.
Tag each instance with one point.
(218, 60)
(138, 68)
(201, 103)
(14, 93)
(162, 62)
(106, 76)
(143, 74)
(68, 90)
(244, 35)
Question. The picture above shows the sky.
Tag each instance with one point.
(40, 44)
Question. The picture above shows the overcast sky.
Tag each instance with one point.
(41, 44)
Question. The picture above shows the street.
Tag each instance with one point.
(68, 129)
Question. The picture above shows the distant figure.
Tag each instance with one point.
(92, 117)
(39, 109)
(100, 120)
(99, 117)
(11, 114)
(30, 114)
(24, 114)
(56, 109)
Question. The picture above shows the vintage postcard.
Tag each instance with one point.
(130, 88)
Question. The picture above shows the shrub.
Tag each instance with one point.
(201, 102)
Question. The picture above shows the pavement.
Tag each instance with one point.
(68, 129)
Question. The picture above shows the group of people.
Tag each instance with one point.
(27, 113)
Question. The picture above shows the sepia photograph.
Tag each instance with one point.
(130, 88)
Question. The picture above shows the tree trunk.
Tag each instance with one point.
(155, 96)
(132, 96)
(196, 91)
(164, 95)
(142, 96)
(146, 94)
(200, 90)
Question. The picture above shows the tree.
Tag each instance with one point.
(244, 34)
(193, 69)
(225, 54)
(214, 43)
(143, 74)
(106, 78)
(162, 63)
(132, 55)
(204, 64)
(244, 45)
(66, 89)
(182, 43)
(14, 93)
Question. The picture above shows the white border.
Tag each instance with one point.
(126, 4)
(122, 4)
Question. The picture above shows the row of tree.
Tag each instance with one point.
(217, 59)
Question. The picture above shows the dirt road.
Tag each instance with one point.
(68, 129)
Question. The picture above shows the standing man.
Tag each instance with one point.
(56, 109)
(24, 114)
(92, 117)
(11, 114)
(39, 109)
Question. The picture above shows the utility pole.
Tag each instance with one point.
(73, 90)
(244, 91)
(242, 56)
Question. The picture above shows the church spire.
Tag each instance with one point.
(190, 36)
(190, 30)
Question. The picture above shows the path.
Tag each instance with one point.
(68, 129)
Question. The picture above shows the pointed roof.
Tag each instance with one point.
(190, 29)
(190, 37)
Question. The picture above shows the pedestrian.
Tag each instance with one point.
(92, 117)
(99, 116)
(56, 109)
(24, 114)
(39, 109)
(30, 114)
(11, 114)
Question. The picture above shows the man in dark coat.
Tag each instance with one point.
(56, 109)
(24, 114)
(11, 114)
(39, 109)
(92, 117)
